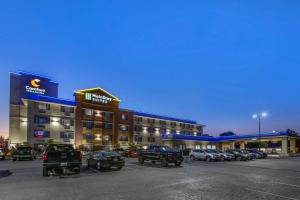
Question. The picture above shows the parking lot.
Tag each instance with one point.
(257, 179)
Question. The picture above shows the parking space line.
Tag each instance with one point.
(298, 186)
(269, 193)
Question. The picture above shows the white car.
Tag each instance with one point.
(199, 154)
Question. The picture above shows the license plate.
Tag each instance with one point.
(63, 164)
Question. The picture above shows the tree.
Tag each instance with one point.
(227, 133)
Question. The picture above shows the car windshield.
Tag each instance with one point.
(60, 148)
(208, 151)
(166, 148)
(24, 148)
(214, 151)
(110, 154)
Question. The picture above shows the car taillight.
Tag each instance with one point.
(44, 157)
(80, 156)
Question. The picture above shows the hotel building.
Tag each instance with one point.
(94, 119)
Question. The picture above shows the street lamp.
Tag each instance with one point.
(259, 116)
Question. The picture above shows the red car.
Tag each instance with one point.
(130, 153)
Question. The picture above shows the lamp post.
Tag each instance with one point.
(259, 116)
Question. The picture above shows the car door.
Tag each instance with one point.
(201, 154)
(94, 159)
(196, 154)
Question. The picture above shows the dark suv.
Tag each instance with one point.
(23, 153)
(162, 154)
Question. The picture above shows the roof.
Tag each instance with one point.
(20, 73)
(143, 114)
(95, 89)
(224, 138)
(48, 99)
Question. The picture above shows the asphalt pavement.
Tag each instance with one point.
(259, 179)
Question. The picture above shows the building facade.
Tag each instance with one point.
(93, 119)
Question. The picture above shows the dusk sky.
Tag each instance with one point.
(216, 62)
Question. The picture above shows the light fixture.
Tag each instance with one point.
(264, 114)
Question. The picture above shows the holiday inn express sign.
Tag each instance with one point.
(98, 98)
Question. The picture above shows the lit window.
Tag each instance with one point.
(88, 112)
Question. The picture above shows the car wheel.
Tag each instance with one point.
(141, 160)
(45, 171)
(222, 158)
(177, 164)
(119, 168)
(192, 157)
(239, 158)
(77, 170)
(14, 159)
(164, 162)
(208, 158)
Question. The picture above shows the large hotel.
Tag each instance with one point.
(95, 119)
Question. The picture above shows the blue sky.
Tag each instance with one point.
(217, 62)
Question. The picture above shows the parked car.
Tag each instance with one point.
(200, 154)
(248, 154)
(224, 155)
(238, 155)
(162, 154)
(2, 154)
(23, 153)
(130, 153)
(106, 160)
(258, 154)
(61, 159)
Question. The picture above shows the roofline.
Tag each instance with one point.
(165, 118)
(82, 91)
(225, 138)
(20, 73)
(49, 99)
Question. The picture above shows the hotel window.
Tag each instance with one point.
(42, 106)
(88, 112)
(107, 126)
(151, 129)
(124, 127)
(88, 124)
(138, 128)
(161, 122)
(124, 138)
(138, 138)
(124, 117)
(107, 114)
(198, 146)
(67, 135)
(41, 134)
(67, 122)
(173, 124)
(67, 109)
(151, 121)
(41, 119)
(151, 139)
(88, 136)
